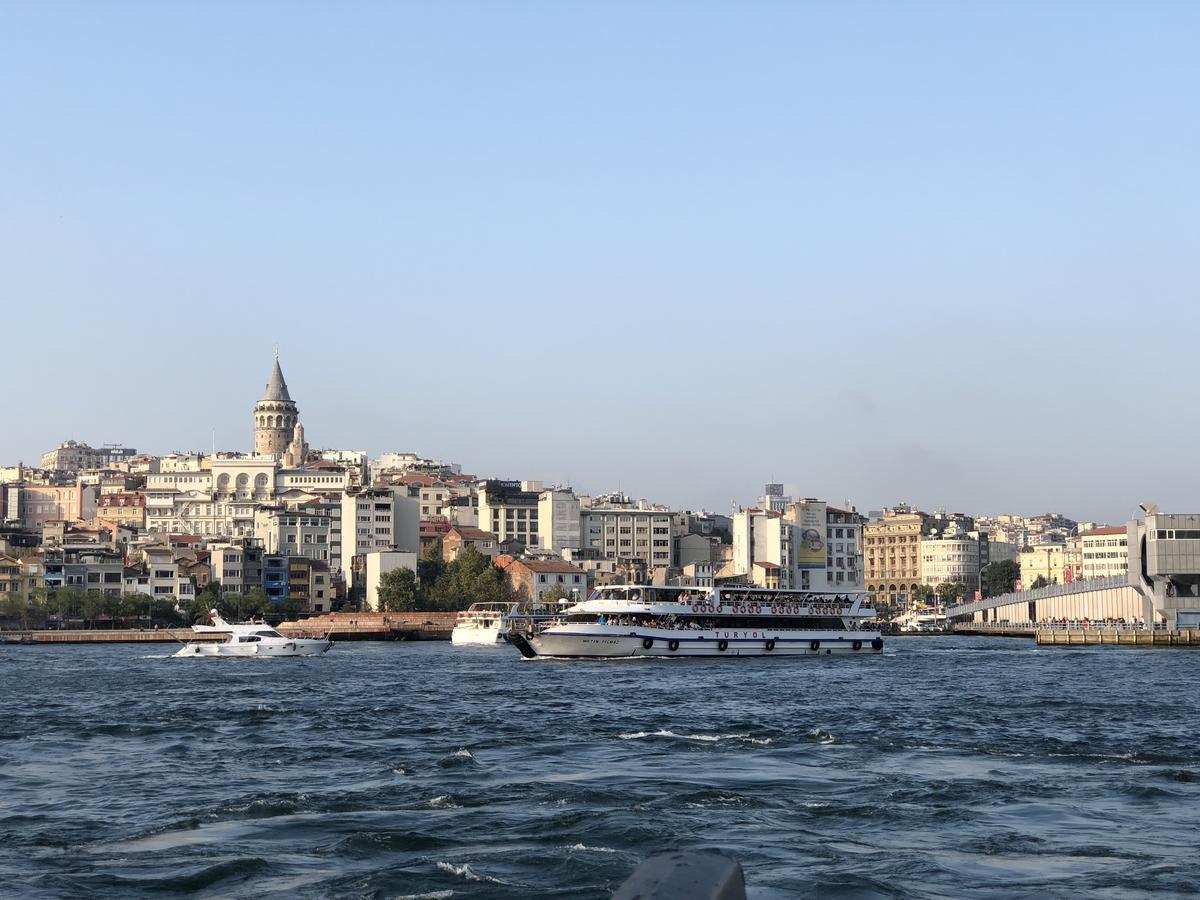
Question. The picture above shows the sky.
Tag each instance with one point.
(941, 253)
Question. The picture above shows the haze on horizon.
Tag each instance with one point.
(927, 251)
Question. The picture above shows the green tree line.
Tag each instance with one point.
(438, 585)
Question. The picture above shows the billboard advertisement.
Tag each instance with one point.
(810, 524)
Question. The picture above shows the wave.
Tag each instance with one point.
(460, 757)
(428, 895)
(444, 801)
(707, 738)
(466, 872)
(586, 849)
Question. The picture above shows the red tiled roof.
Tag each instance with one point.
(1111, 529)
(549, 566)
(469, 533)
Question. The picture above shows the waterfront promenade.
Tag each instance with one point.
(365, 626)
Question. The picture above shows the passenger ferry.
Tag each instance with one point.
(646, 620)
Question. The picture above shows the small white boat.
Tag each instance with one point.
(481, 623)
(250, 639)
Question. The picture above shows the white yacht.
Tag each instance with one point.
(250, 639)
(645, 620)
(481, 623)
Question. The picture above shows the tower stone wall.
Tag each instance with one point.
(275, 416)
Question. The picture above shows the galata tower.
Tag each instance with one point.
(275, 416)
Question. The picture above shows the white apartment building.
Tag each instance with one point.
(228, 562)
(378, 519)
(630, 532)
(320, 478)
(305, 530)
(809, 546)
(75, 456)
(955, 557)
(559, 522)
(509, 510)
(1105, 552)
(163, 578)
(377, 563)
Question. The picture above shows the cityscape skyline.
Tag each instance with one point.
(920, 254)
(791, 488)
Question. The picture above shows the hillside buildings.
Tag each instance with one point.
(805, 544)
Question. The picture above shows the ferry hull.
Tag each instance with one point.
(668, 644)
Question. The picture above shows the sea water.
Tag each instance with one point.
(945, 767)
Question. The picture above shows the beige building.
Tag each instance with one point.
(892, 556)
(459, 537)
(126, 508)
(1050, 562)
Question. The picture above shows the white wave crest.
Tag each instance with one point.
(707, 738)
(428, 895)
(585, 848)
(465, 871)
(444, 801)
(462, 753)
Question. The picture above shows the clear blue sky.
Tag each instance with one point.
(942, 252)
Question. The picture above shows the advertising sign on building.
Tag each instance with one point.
(810, 521)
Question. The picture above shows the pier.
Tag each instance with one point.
(1125, 637)
(107, 636)
(374, 626)
(368, 626)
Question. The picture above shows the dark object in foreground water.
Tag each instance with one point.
(685, 875)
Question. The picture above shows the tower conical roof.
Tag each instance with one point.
(277, 387)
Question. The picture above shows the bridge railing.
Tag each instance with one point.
(1042, 593)
(1058, 626)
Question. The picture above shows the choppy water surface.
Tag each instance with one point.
(949, 767)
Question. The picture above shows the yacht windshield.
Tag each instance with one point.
(268, 633)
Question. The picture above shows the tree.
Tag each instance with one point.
(429, 573)
(555, 593)
(66, 602)
(471, 578)
(949, 592)
(398, 591)
(14, 608)
(1001, 577)
(1039, 582)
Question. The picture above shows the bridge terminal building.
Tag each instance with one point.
(1161, 586)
